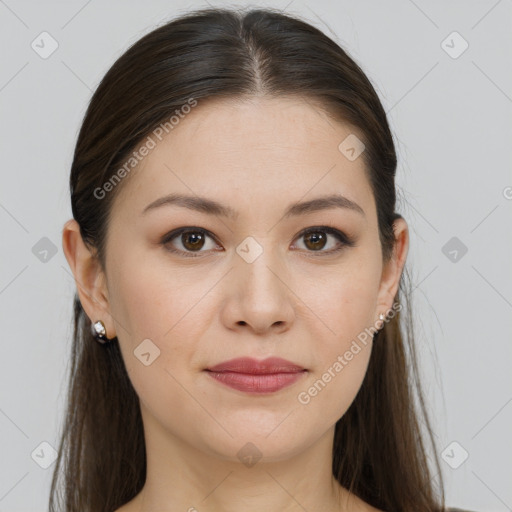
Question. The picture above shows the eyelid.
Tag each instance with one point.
(343, 239)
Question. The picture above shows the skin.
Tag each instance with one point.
(258, 157)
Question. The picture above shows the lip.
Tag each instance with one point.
(255, 367)
(253, 376)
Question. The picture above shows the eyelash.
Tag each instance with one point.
(345, 241)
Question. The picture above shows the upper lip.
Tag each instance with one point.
(253, 366)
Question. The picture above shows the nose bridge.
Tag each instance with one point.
(260, 296)
(257, 265)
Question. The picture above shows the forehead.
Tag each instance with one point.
(249, 153)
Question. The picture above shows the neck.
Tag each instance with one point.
(183, 477)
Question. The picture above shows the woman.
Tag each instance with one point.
(240, 274)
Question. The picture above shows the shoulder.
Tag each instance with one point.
(458, 510)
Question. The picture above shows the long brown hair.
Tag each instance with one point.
(380, 453)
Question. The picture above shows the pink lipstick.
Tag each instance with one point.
(253, 376)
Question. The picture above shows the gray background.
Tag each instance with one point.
(452, 122)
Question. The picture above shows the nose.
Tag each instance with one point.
(258, 297)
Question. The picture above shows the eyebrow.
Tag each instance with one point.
(211, 207)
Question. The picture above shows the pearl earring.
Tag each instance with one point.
(382, 317)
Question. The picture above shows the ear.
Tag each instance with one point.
(392, 270)
(89, 276)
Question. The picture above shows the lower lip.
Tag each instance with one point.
(261, 383)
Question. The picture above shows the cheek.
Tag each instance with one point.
(327, 396)
(342, 352)
(344, 307)
(153, 302)
(151, 299)
(343, 301)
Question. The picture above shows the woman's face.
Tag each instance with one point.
(250, 284)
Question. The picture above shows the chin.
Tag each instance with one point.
(249, 447)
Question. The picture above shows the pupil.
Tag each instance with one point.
(316, 238)
(196, 237)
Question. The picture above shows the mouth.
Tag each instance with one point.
(253, 376)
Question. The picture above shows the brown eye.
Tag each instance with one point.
(188, 242)
(315, 240)
(192, 240)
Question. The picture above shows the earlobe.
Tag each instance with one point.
(392, 270)
(89, 276)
